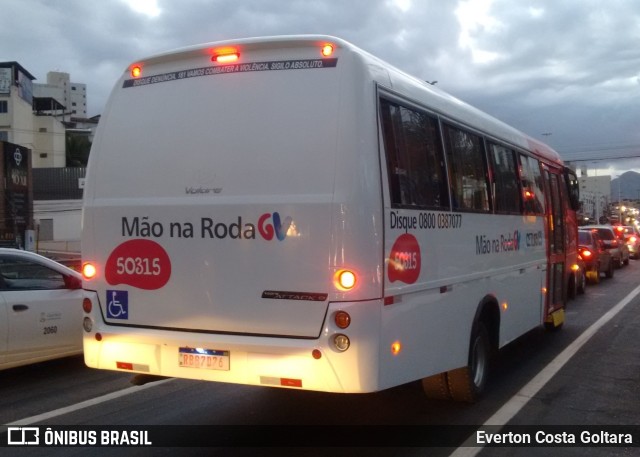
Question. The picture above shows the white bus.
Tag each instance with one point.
(294, 212)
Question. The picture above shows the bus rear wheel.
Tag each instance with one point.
(468, 383)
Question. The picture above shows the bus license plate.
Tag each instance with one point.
(207, 359)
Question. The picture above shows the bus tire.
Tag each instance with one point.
(468, 383)
(436, 387)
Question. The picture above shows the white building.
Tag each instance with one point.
(38, 117)
(29, 120)
(595, 195)
(72, 95)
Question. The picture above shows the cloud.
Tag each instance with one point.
(571, 68)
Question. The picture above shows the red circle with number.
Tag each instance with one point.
(139, 263)
(405, 261)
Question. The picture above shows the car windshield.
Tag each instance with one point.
(606, 234)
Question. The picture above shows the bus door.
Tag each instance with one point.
(556, 270)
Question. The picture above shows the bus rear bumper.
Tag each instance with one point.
(308, 364)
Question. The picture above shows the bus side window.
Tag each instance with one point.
(415, 163)
(532, 185)
(467, 169)
(505, 180)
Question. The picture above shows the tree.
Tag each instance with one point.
(78, 147)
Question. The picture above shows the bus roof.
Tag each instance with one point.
(401, 82)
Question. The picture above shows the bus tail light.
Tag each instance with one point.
(89, 270)
(87, 306)
(341, 342)
(345, 280)
(342, 319)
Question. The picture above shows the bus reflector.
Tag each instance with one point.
(345, 280)
(87, 305)
(316, 354)
(124, 365)
(327, 50)
(287, 382)
(89, 270)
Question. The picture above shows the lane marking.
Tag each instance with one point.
(86, 404)
(520, 399)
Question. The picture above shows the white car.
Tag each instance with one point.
(40, 309)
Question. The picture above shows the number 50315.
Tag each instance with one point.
(138, 266)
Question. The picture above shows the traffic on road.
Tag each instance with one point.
(596, 386)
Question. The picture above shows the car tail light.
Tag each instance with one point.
(586, 254)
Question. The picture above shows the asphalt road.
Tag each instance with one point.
(599, 385)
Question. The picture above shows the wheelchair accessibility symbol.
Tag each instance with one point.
(117, 304)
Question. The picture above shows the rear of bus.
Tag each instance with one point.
(232, 217)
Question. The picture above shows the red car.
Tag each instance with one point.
(596, 257)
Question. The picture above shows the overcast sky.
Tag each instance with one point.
(564, 71)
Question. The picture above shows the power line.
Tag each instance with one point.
(569, 158)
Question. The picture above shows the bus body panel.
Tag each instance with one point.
(228, 225)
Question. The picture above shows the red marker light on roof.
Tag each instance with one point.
(225, 56)
(136, 71)
(327, 50)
